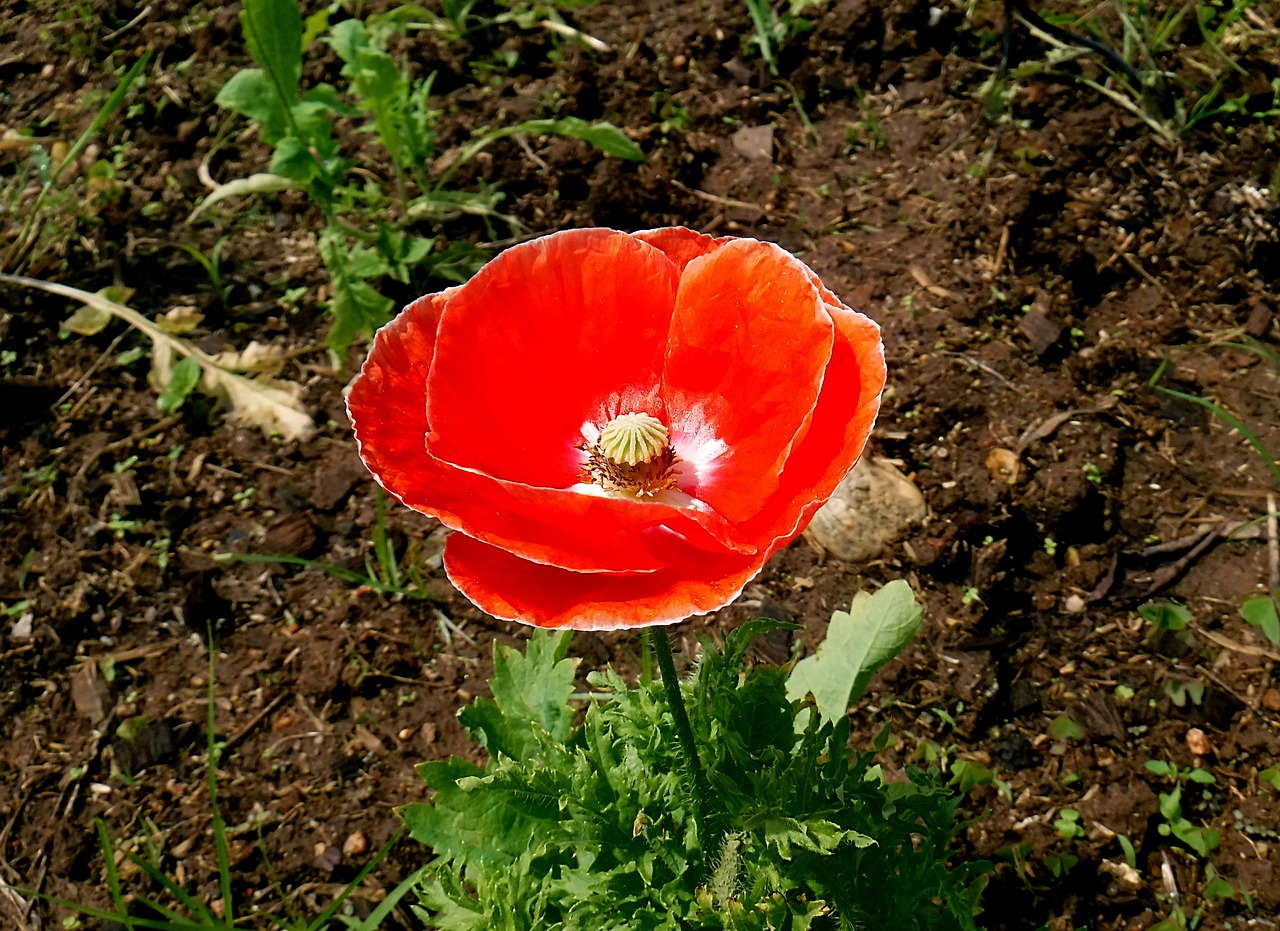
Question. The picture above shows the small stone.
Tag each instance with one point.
(21, 629)
(355, 844)
(1040, 329)
(327, 857)
(90, 693)
(1126, 877)
(1074, 604)
(1198, 742)
(754, 143)
(871, 509)
(1271, 699)
(1004, 465)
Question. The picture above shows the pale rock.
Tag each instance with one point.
(871, 510)
(1198, 742)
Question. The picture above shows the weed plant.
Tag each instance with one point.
(51, 219)
(1175, 66)
(598, 824)
(376, 210)
(170, 905)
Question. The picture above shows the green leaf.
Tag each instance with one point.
(1271, 776)
(183, 381)
(273, 33)
(1218, 888)
(357, 309)
(814, 834)
(874, 630)
(606, 137)
(530, 690)
(314, 26)
(1261, 613)
(88, 321)
(292, 159)
(251, 93)
(1126, 846)
(1169, 616)
(1065, 727)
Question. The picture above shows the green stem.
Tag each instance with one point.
(701, 789)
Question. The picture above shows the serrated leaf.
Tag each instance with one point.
(815, 835)
(478, 818)
(875, 629)
(530, 690)
(271, 406)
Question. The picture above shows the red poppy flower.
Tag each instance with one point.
(621, 428)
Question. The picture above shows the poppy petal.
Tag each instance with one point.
(750, 340)
(842, 420)
(554, 333)
(506, 586)
(587, 532)
(680, 244)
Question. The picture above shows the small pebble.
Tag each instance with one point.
(1074, 604)
(1198, 742)
(355, 845)
(1271, 699)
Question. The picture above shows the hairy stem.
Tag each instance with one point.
(700, 788)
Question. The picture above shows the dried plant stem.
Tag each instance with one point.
(700, 789)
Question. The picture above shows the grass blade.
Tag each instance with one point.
(1230, 419)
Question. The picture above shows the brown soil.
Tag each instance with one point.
(1030, 271)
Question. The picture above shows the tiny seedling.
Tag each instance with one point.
(1167, 618)
(1204, 841)
(1068, 824)
(1180, 691)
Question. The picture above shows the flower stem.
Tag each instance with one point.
(680, 715)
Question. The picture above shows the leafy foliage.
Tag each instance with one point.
(873, 631)
(592, 827)
(371, 232)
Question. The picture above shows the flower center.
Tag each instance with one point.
(633, 453)
(630, 439)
